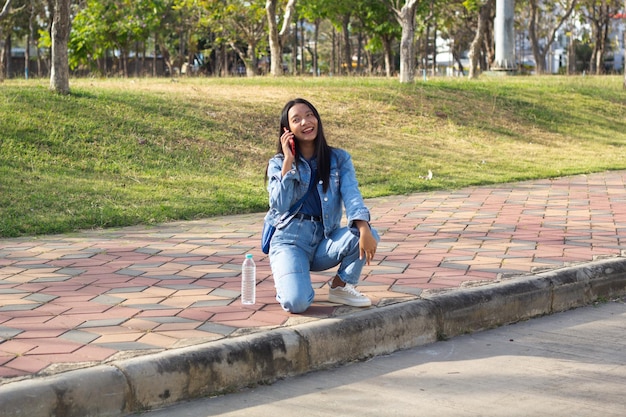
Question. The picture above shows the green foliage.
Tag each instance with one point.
(376, 20)
(102, 26)
(124, 152)
(472, 5)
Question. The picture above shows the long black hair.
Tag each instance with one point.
(322, 150)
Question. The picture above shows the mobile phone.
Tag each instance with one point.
(292, 144)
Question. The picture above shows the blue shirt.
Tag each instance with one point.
(312, 205)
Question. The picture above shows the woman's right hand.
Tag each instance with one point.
(285, 141)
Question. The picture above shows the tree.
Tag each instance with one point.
(382, 28)
(95, 31)
(277, 38)
(243, 22)
(340, 15)
(599, 13)
(60, 70)
(189, 18)
(546, 17)
(458, 27)
(428, 29)
(314, 11)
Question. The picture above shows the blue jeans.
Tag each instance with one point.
(299, 248)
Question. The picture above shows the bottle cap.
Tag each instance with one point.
(249, 256)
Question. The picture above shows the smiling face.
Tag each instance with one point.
(302, 122)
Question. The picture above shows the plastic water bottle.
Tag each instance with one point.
(248, 281)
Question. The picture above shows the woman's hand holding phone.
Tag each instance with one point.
(291, 141)
(287, 141)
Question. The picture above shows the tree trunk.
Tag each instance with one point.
(457, 58)
(124, 61)
(275, 37)
(142, 71)
(302, 49)
(406, 18)
(599, 56)
(224, 60)
(338, 53)
(29, 41)
(359, 53)
(2, 57)
(136, 60)
(571, 57)
(425, 48)
(388, 56)
(434, 50)
(8, 46)
(347, 50)
(315, 42)
(540, 64)
(3, 13)
(276, 51)
(333, 53)
(27, 53)
(294, 50)
(601, 26)
(488, 55)
(484, 15)
(60, 71)
(154, 57)
(248, 57)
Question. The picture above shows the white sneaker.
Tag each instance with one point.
(349, 296)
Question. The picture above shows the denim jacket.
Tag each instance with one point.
(343, 191)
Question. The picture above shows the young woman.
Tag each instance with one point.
(312, 239)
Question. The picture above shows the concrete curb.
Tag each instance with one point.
(152, 381)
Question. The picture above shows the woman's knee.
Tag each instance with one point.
(296, 305)
(295, 299)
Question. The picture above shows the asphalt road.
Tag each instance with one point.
(566, 364)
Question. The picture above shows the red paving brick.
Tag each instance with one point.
(86, 297)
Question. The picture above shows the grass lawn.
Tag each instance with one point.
(141, 151)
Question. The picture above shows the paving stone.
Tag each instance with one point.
(430, 241)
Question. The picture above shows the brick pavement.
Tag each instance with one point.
(75, 300)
